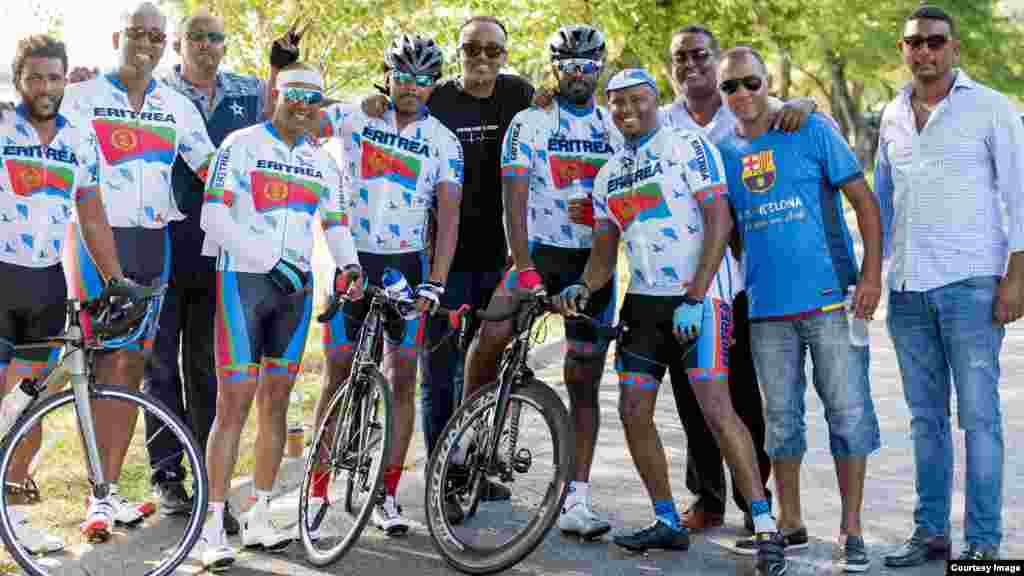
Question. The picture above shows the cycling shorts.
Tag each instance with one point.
(258, 326)
(32, 307)
(560, 268)
(648, 347)
(342, 333)
(145, 256)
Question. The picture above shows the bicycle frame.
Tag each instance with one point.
(76, 366)
(513, 371)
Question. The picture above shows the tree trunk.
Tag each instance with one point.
(847, 111)
(785, 74)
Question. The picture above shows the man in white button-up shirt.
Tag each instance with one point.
(950, 156)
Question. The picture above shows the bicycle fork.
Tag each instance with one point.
(76, 367)
(503, 410)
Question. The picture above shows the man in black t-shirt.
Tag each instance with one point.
(478, 107)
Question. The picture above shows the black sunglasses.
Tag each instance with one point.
(138, 33)
(211, 37)
(751, 83)
(935, 41)
(697, 56)
(473, 50)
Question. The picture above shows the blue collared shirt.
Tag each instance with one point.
(951, 195)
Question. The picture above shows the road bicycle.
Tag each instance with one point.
(515, 432)
(353, 439)
(61, 487)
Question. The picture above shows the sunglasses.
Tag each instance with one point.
(473, 50)
(211, 37)
(422, 80)
(304, 95)
(578, 66)
(138, 33)
(751, 83)
(697, 56)
(934, 42)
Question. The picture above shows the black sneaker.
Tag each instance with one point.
(795, 540)
(853, 556)
(174, 501)
(231, 526)
(771, 553)
(657, 535)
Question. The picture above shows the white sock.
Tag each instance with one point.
(261, 504)
(578, 492)
(213, 529)
(114, 490)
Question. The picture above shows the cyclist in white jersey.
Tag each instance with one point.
(268, 183)
(399, 168)
(550, 158)
(139, 127)
(48, 177)
(665, 195)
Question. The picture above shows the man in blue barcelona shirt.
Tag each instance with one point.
(799, 267)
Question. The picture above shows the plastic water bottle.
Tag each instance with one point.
(858, 326)
(396, 286)
(14, 403)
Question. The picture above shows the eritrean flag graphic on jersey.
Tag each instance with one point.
(271, 191)
(380, 162)
(29, 177)
(123, 142)
(643, 203)
(566, 170)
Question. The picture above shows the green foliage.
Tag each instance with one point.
(347, 38)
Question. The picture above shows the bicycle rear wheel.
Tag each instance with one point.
(155, 547)
(534, 460)
(345, 468)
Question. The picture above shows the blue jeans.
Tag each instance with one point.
(840, 378)
(942, 333)
(441, 362)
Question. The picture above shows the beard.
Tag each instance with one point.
(577, 93)
(40, 116)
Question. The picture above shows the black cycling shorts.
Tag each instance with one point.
(32, 307)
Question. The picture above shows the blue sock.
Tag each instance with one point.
(760, 511)
(759, 507)
(665, 510)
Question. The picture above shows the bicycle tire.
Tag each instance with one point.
(466, 558)
(376, 397)
(155, 407)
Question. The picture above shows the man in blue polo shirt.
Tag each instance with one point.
(227, 102)
(799, 266)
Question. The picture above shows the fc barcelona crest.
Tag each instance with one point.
(759, 171)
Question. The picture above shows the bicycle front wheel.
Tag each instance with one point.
(533, 461)
(152, 546)
(345, 468)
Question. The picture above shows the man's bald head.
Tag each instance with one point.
(201, 15)
(142, 9)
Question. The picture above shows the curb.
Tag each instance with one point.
(289, 477)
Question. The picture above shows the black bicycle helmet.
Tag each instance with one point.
(577, 41)
(415, 55)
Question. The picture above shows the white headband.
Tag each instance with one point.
(303, 75)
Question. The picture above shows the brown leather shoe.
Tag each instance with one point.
(696, 519)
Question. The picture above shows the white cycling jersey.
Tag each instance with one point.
(652, 190)
(561, 151)
(136, 149)
(40, 187)
(391, 176)
(261, 201)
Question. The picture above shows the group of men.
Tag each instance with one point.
(727, 201)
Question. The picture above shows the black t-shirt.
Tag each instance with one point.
(480, 124)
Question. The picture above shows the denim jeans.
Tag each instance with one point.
(840, 375)
(943, 335)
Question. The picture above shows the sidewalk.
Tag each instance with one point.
(618, 492)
